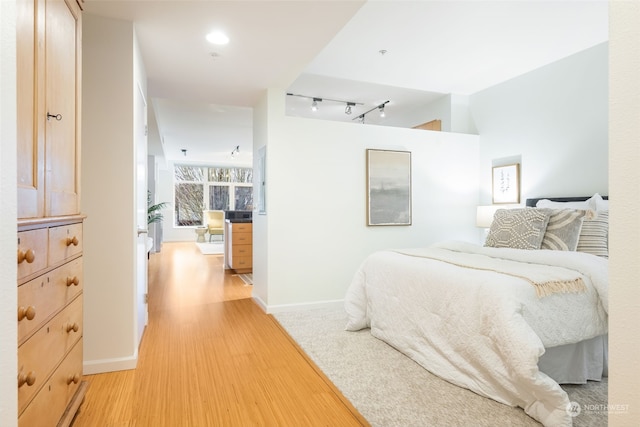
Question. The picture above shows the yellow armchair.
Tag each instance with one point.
(215, 223)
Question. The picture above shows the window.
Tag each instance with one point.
(200, 188)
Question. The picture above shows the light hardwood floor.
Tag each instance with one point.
(211, 357)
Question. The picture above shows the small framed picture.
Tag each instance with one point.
(388, 187)
(506, 184)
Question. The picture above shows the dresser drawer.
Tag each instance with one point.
(242, 262)
(40, 298)
(242, 238)
(49, 404)
(40, 354)
(32, 251)
(64, 242)
(242, 251)
(242, 227)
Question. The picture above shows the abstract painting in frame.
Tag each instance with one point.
(506, 184)
(388, 187)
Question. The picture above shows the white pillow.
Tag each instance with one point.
(589, 204)
(601, 204)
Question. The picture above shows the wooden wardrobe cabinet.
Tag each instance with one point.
(49, 61)
(50, 241)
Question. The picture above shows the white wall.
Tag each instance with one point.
(108, 174)
(556, 119)
(315, 225)
(8, 215)
(624, 232)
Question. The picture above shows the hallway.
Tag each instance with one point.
(211, 357)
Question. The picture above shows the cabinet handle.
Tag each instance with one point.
(29, 313)
(28, 256)
(71, 327)
(73, 281)
(72, 241)
(73, 379)
(58, 117)
(29, 379)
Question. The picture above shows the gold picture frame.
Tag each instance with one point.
(506, 184)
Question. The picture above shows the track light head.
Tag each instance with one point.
(314, 104)
(347, 109)
(381, 108)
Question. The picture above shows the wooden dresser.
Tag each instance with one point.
(50, 285)
(50, 240)
(238, 246)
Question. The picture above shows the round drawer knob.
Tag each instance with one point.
(29, 255)
(29, 313)
(29, 379)
(73, 281)
(75, 378)
(72, 327)
(72, 241)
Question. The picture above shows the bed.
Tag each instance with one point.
(501, 319)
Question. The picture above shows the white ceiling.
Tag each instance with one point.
(202, 94)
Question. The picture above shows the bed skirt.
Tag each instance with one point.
(577, 363)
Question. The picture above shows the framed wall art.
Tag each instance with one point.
(388, 187)
(506, 184)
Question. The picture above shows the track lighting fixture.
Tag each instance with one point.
(379, 107)
(315, 100)
(235, 151)
(184, 152)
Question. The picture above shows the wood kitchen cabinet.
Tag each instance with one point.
(238, 246)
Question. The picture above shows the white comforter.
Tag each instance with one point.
(478, 329)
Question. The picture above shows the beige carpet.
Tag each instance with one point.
(389, 389)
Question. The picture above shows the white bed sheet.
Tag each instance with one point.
(481, 330)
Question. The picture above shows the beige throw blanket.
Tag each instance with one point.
(545, 279)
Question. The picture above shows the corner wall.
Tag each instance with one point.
(555, 119)
(624, 231)
(108, 177)
(8, 216)
(315, 226)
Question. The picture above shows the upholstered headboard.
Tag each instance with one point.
(532, 202)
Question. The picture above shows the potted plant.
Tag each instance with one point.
(154, 212)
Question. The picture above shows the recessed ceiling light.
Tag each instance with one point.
(217, 37)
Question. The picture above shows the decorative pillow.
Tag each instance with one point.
(594, 235)
(563, 229)
(589, 204)
(518, 228)
(601, 204)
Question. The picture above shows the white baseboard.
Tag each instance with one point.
(260, 303)
(90, 367)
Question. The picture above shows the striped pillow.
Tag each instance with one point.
(563, 230)
(594, 236)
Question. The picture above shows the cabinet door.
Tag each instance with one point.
(62, 102)
(29, 106)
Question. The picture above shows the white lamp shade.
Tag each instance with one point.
(484, 215)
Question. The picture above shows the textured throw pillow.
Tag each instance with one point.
(518, 228)
(594, 235)
(563, 229)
